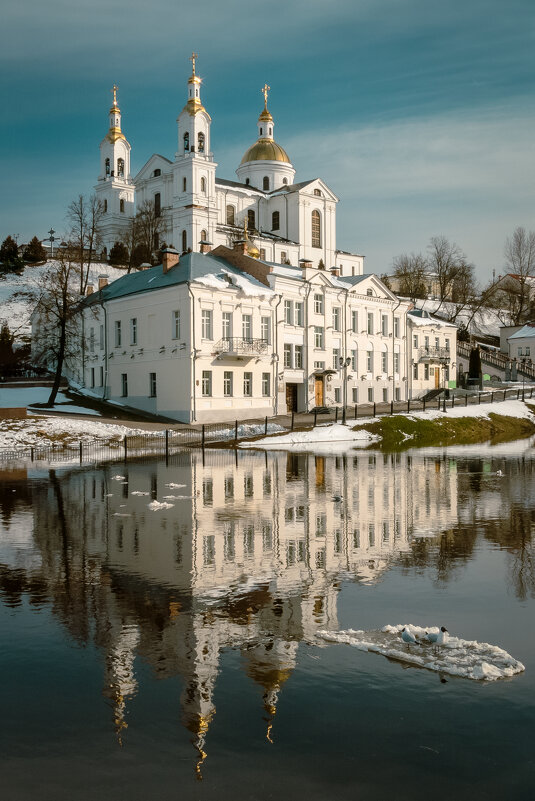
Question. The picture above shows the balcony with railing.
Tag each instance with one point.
(234, 347)
(441, 355)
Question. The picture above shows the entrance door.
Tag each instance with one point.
(437, 377)
(291, 397)
(318, 390)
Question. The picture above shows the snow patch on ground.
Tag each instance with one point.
(468, 659)
(45, 431)
(330, 437)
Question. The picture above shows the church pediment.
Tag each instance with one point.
(156, 162)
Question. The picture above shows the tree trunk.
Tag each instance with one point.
(59, 367)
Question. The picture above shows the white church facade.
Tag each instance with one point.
(287, 221)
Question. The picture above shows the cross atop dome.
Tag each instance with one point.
(265, 91)
(192, 59)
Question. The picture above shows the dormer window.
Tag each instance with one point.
(120, 168)
(317, 192)
(186, 141)
(265, 184)
(200, 142)
(369, 293)
(156, 173)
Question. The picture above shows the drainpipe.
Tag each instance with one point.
(394, 348)
(193, 354)
(276, 360)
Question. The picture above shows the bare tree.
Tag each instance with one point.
(449, 265)
(410, 272)
(149, 226)
(519, 254)
(85, 218)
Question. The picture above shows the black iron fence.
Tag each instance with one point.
(171, 441)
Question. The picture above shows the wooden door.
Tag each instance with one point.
(318, 390)
(291, 397)
(437, 377)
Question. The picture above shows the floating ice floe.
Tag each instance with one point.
(174, 486)
(466, 658)
(154, 505)
(138, 492)
(118, 478)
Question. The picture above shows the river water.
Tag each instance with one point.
(172, 653)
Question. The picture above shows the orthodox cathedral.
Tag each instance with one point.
(284, 221)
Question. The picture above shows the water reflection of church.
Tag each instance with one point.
(250, 557)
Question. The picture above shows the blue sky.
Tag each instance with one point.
(418, 114)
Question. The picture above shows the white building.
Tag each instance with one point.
(433, 353)
(288, 221)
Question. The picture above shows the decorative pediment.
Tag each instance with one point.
(156, 162)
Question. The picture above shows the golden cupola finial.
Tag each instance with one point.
(115, 132)
(194, 78)
(265, 115)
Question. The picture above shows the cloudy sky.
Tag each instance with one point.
(419, 114)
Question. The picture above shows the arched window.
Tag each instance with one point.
(157, 204)
(284, 180)
(231, 215)
(204, 236)
(275, 221)
(184, 241)
(120, 168)
(107, 166)
(121, 206)
(261, 131)
(251, 220)
(157, 172)
(184, 184)
(105, 206)
(265, 184)
(203, 185)
(200, 142)
(270, 131)
(186, 141)
(316, 229)
(317, 192)
(247, 181)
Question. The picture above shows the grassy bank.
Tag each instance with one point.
(400, 432)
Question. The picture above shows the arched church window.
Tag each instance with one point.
(231, 215)
(200, 142)
(284, 180)
(317, 192)
(184, 241)
(270, 131)
(260, 131)
(203, 185)
(157, 204)
(184, 184)
(121, 206)
(186, 141)
(275, 221)
(265, 184)
(251, 222)
(157, 172)
(120, 168)
(247, 181)
(105, 206)
(107, 166)
(316, 229)
(204, 236)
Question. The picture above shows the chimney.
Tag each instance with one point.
(145, 266)
(170, 257)
(205, 246)
(335, 271)
(305, 263)
(89, 289)
(240, 246)
(102, 281)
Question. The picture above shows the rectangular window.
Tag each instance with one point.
(265, 329)
(206, 384)
(370, 394)
(288, 312)
(384, 361)
(298, 357)
(319, 365)
(355, 322)
(227, 325)
(152, 385)
(209, 550)
(229, 547)
(398, 393)
(92, 377)
(337, 318)
(102, 376)
(385, 394)
(247, 326)
(133, 331)
(262, 254)
(284, 257)
(370, 323)
(384, 325)
(124, 385)
(415, 341)
(318, 337)
(336, 357)
(527, 350)
(266, 384)
(91, 340)
(426, 371)
(337, 394)
(426, 343)
(369, 361)
(437, 343)
(355, 360)
(447, 345)
(206, 324)
(355, 394)
(415, 370)
(117, 333)
(318, 304)
(227, 383)
(298, 314)
(175, 326)
(101, 337)
(396, 326)
(247, 385)
(396, 362)
(208, 492)
(288, 356)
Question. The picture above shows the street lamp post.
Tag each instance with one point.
(343, 364)
(51, 239)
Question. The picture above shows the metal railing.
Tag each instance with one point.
(241, 346)
(434, 354)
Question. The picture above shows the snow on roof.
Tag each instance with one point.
(420, 317)
(485, 322)
(526, 331)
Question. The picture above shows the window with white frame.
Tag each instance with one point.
(266, 385)
(226, 325)
(384, 325)
(91, 340)
(288, 356)
(288, 312)
(337, 318)
(118, 334)
(415, 341)
(175, 324)
(124, 385)
(415, 371)
(298, 357)
(298, 314)
(336, 358)
(397, 393)
(385, 394)
(206, 383)
(247, 326)
(265, 329)
(318, 337)
(370, 394)
(384, 361)
(396, 362)
(101, 376)
(133, 331)
(206, 324)
(370, 323)
(318, 304)
(447, 344)
(227, 383)
(369, 361)
(355, 394)
(437, 343)
(319, 365)
(337, 395)
(152, 385)
(101, 337)
(396, 327)
(426, 372)
(247, 385)
(426, 343)
(355, 360)
(355, 321)
(262, 254)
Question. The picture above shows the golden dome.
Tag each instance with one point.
(253, 252)
(266, 115)
(265, 150)
(193, 106)
(114, 134)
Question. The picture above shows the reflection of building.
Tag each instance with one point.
(249, 557)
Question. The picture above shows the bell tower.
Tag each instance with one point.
(194, 192)
(114, 188)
